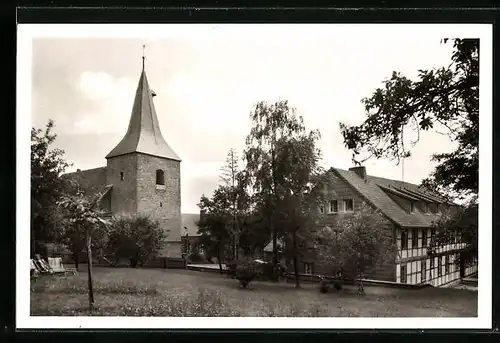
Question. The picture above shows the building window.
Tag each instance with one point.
(160, 177)
(308, 268)
(161, 204)
(440, 266)
(424, 238)
(404, 239)
(433, 208)
(403, 273)
(447, 264)
(348, 205)
(321, 209)
(423, 271)
(414, 238)
(412, 207)
(334, 206)
(121, 176)
(425, 207)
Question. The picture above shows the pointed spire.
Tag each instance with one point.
(143, 134)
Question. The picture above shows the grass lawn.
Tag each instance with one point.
(169, 292)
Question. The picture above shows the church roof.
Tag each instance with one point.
(189, 224)
(143, 134)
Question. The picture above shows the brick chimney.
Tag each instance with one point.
(360, 171)
(78, 170)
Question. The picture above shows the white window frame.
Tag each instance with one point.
(425, 207)
(330, 210)
(345, 207)
(412, 207)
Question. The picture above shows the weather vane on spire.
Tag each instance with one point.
(143, 56)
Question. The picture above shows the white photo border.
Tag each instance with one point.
(27, 32)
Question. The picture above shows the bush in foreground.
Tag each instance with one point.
(246, 272)
(325, 285)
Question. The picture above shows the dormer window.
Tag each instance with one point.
(412, 207)
(425, 207)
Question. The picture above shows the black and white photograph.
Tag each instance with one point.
(318, 175)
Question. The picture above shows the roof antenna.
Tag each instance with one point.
(143, 57)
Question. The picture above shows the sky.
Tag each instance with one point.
(207, 84)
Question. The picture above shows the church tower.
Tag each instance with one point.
(144, 170)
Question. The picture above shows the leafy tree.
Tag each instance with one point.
(136, 238)
(302, 189)
(459, 227)
(47, 186)
(86, 215)
(357, 242)
(447, 99)
(254, 232)
(74, 236)
(272, 123)
(232, 178)
(215, 222)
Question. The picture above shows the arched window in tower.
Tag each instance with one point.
(160, 177)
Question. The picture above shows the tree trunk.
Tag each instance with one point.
(295, 260)
(76, 258)
(219, 247)
(361, 289)
(89, 264)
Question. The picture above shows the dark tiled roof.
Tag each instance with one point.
(189, 220)
(375, 190)
(143, 134)
(91, 181)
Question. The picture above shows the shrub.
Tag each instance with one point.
(245, 273)
(231, 268)
(135, 238)
(196, 257)
(337, 285)
(325, 285)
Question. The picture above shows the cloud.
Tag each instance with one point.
(112, 98)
